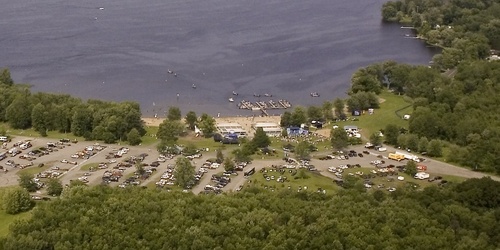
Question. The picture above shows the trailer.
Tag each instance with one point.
(408, 156)
(421, 176)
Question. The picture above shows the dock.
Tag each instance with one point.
(263, 106)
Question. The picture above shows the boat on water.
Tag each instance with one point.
(170, 71)
(314, 94)
(194, 86)
(231, 99)
(256, 95)
(268, 95)
(234, 93)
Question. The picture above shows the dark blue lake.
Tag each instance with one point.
(122, 49)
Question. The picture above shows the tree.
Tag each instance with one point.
(189, 149)
(18, 113)
(375, 139)
(17, 200)
(422, 144)
(219, 156)
(39, 119)
(412, 142)
(260, 139)
(391, 133)
(326, 109)
(285, 120)
(169, 130)
(54, 187)
(339, 139)
(241, 155)
(174, 114)
(81, 120)
(411, 168)
(303, 150)
(5, 78)
(26, 181)
(434, 148)
(298, 117)
(389, 11)
(139, 168)
(228, 164)
(166, 147)
(339, 106)
(184, 172)
(191, 119)
(314, 113)
(207, 125)
(133, 137)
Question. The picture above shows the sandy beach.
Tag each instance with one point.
(244, 121)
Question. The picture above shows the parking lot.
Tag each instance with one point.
(70, 161)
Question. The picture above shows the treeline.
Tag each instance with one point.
(466, 29)
(466, 216)
(463, 110)
(92, 119)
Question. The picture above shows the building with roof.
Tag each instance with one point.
(226, 129)
(270, 128)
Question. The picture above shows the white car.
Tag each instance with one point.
(64, 161)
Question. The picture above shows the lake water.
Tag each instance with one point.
(122, 49)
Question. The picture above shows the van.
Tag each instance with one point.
(3, 155)
(4, 139)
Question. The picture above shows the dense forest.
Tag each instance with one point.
(92, 119)
(466, 29)
(463, 216)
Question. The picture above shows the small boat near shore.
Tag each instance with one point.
(314, 94)
(234, 93)
(231, 99)
(268, 95)
(194, 86)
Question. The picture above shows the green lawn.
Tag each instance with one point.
(392, 181)
(386, 114)
(312, 182)
(7, 219)
(31, 132)
(34, 169)
(150, 137)
(87, 167)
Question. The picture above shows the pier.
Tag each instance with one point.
(263, 106)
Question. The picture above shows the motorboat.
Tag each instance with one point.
(256, 95)
(170, 71)
(268, 95)
(231, 99)
(314, 94)
(234, 93)
(194, 86)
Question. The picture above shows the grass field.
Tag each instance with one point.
(386, 114)
(32, 133)
(392, 181)
(87, 167)
(312, 181)
(149, 138)
(34, 169)
(7, 219)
